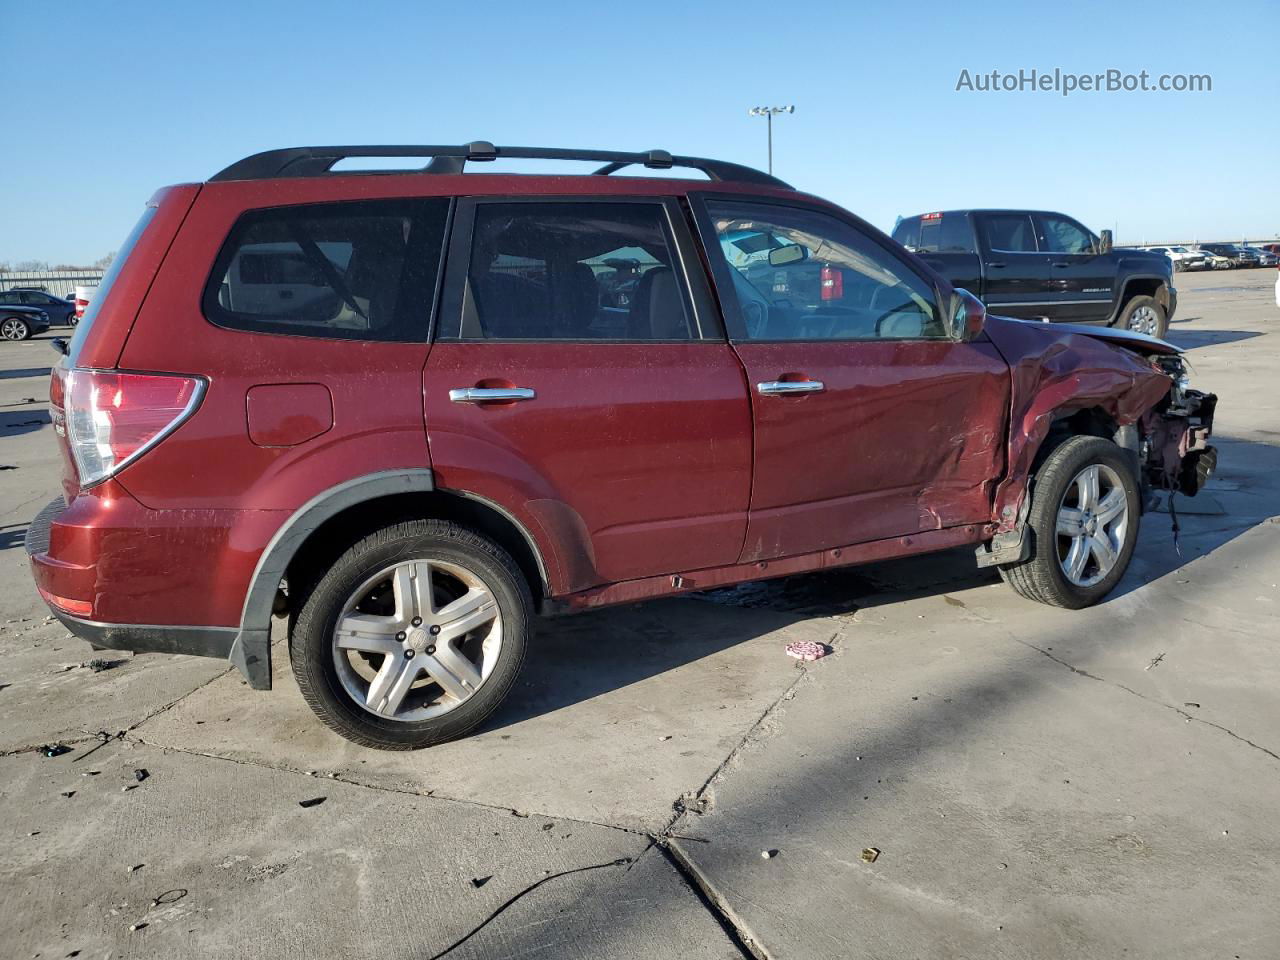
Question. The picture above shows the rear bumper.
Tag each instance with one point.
(125, 577)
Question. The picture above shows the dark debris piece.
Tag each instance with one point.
(97, 666)
(313, 802)
(54, 749)
(140, 774)
(479, 882)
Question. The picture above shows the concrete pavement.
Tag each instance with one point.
(1037, 782)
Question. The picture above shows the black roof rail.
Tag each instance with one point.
(319, 161)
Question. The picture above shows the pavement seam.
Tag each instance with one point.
(1142, 696)
(337, 778)
(733, 924)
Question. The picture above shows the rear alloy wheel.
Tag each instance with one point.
(413, 637)
(13, 328)
(1144, 315)
(1083, 525)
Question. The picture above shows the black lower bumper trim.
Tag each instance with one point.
(194, 641)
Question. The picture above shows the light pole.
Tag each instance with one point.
(767, 113)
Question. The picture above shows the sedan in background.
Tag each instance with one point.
(59, 309)
(1266, 258)
(22, 323)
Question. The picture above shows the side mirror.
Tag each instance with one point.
(968, 315)
(793, 253)
(1106, 242)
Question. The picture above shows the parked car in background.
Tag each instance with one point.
(84, 294)
(1215, 261)
(22, 323)
(61, 312)
(270, 410)
(1266, 258)
(1238, 256)
(1181, 257)
(1036, 264)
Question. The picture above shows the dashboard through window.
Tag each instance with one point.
(804, 275)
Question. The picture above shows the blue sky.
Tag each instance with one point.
(142, 94)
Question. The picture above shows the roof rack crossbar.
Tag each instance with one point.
(319, 161)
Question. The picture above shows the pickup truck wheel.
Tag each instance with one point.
(1144, 315)
(1083, 525)
(413, 637)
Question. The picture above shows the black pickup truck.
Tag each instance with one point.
(1041, 265)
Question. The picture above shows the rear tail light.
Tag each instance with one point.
(832, 283)
(112, 418)
(80, 307)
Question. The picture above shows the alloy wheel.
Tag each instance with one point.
(417, 639)
(1093, 518)
(1144, 320)
(13, 329)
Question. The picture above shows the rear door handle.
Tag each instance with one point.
(490, 394)
(781, 387)
(1061, 266)
(996, 266)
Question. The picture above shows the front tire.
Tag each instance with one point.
(1082, 525)
(413, 637)
(1144, 315)
(15, 328)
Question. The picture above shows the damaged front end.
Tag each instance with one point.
(1124, 386)
(1175, 452)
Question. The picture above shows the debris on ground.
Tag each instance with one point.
(1191, 703)
(807, 650)
(68, 793)
(54, 749)
(870, 855)
(1155, 662)
(103, 739)
(140, 774)
(135, 927)
(479, 882)
(313, 802)
(664, 739)
(168, 897)
(768, 854)
(98, 665)
(136, 867)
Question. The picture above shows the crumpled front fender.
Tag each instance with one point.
(1055, 373)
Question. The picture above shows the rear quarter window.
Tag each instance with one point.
(363, 270)
(944, 233)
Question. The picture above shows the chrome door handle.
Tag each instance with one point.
(780, 387)
(490, 394)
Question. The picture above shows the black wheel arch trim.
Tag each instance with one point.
(1122, 299)
(251, 650)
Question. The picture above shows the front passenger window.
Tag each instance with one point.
(1058, 235)
(804, 275)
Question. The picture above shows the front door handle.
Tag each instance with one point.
(490, 394)
(1061, 266)
(772, 388)
(996, 266)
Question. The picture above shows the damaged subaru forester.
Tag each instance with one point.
(402, 412)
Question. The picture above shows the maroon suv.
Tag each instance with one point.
(409, 410)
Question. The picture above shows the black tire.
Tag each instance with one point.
(1159, 325)
(15, 329)
(312, 637)
(1041, 577)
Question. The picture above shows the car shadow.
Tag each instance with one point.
(1192, 339)
(12, 535)
(587, 655)
(16, 422)
(24, 372)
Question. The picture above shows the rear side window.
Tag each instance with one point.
(572, 271)
(347, 271)
(1010, 233)
(935, 233)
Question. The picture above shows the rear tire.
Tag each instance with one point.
(1080, 544)
(413, 637)
(1144, 315)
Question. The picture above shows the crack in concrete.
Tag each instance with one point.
(1142, 696)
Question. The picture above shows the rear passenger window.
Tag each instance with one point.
(1010, 233)
(350, 271)
(572, 271)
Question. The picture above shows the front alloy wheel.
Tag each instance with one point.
(14, 329)
(1082, 524)
(413, 636)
